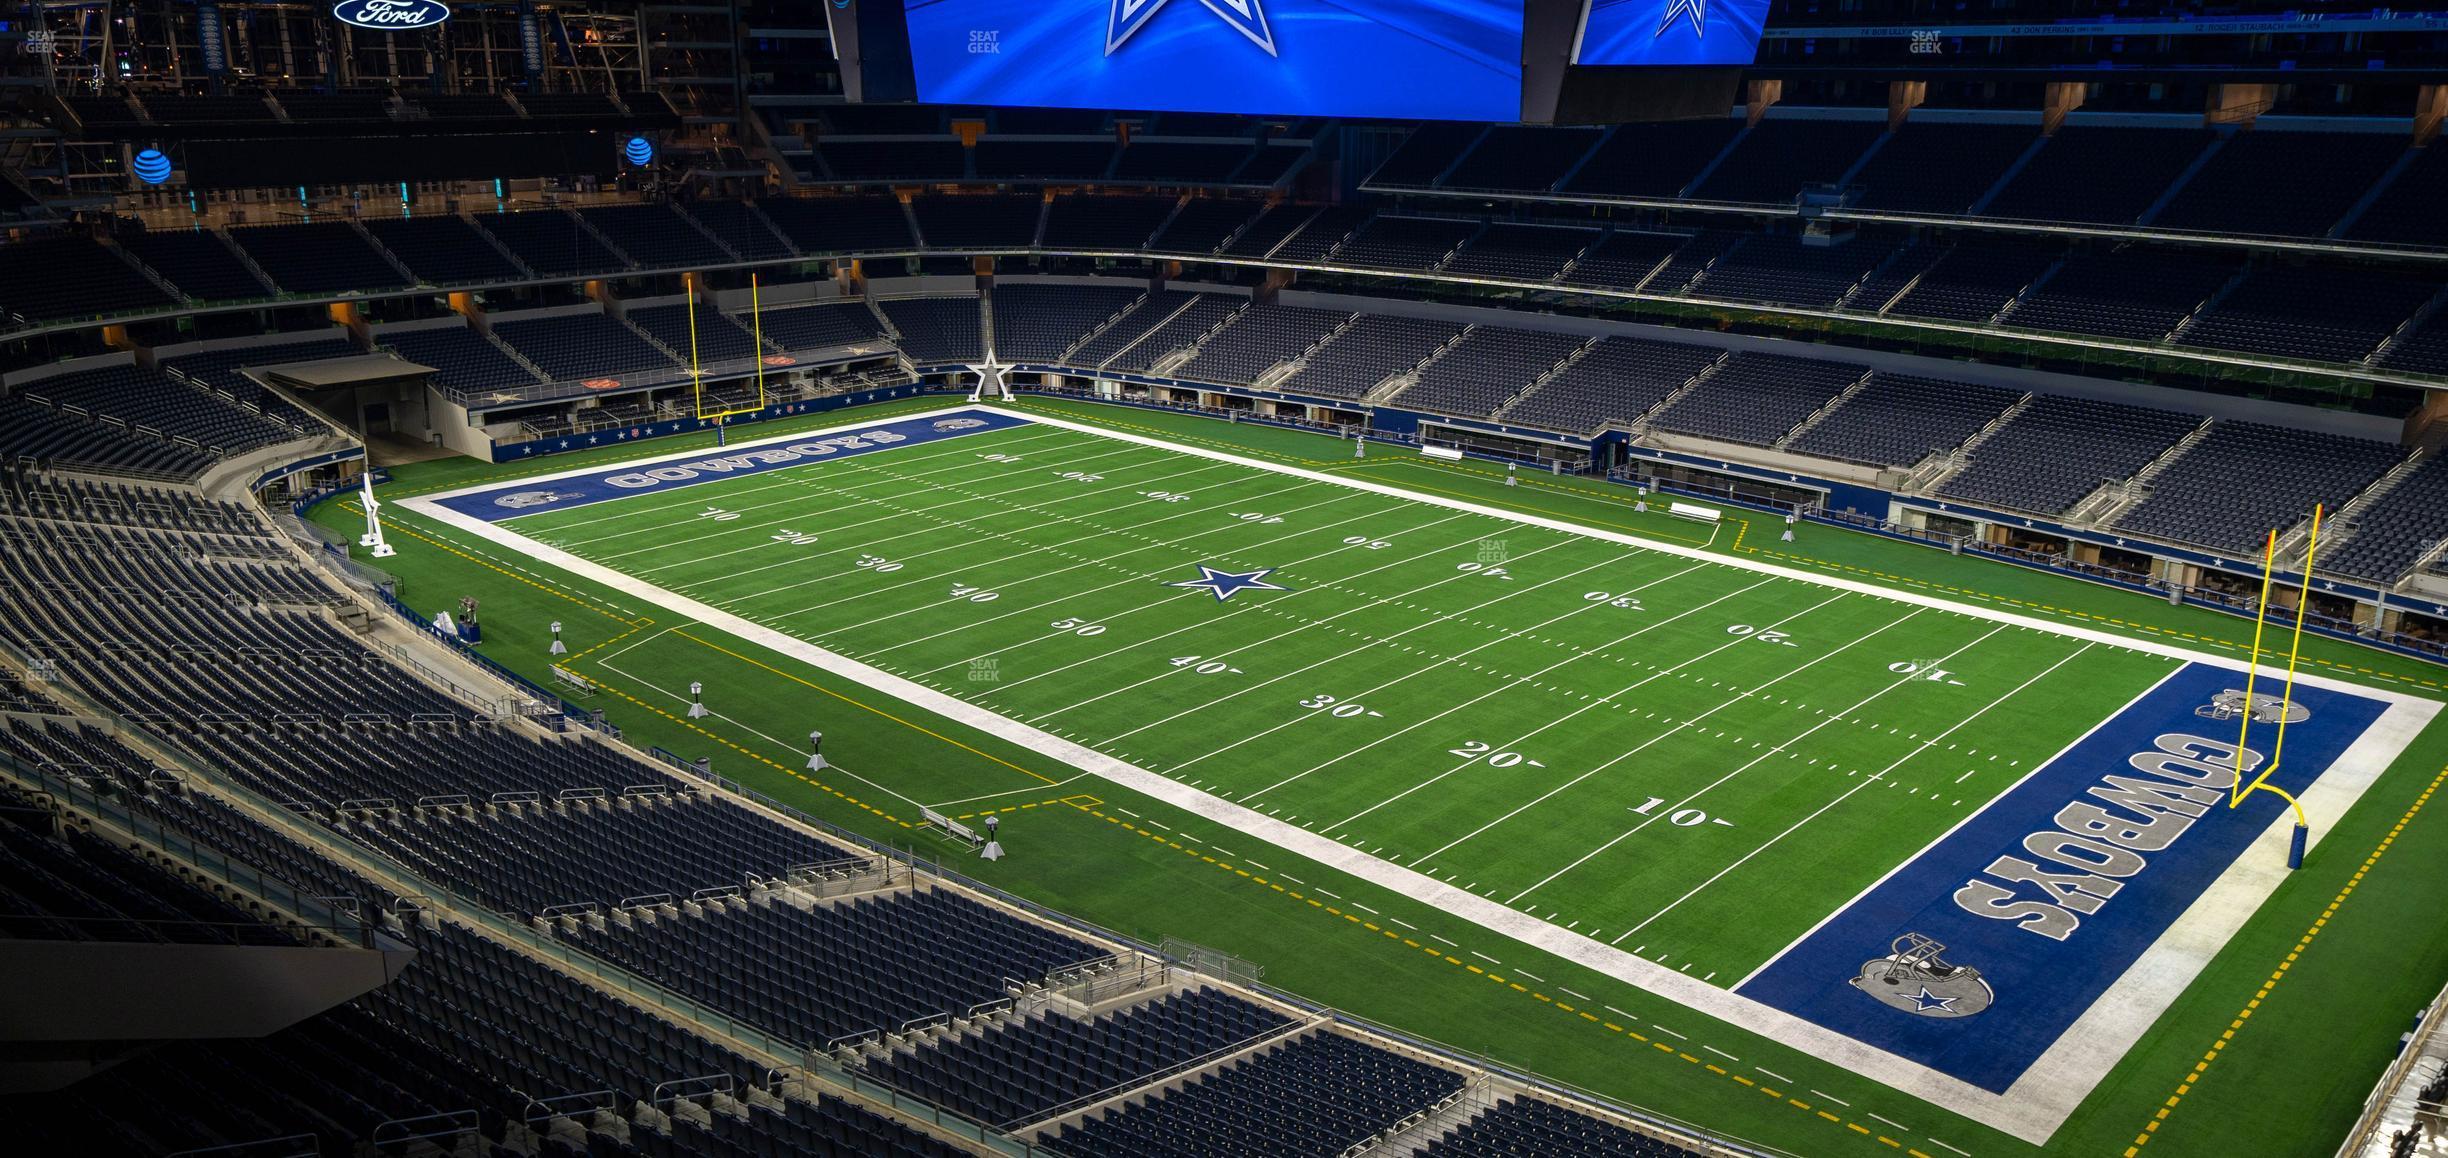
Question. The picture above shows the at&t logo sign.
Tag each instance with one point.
(391, 15)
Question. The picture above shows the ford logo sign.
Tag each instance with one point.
(391, 15)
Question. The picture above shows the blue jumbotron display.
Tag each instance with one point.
(1424, 59)
(1670, 32)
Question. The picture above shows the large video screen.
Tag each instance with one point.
(1422, 59)
(1670, 32)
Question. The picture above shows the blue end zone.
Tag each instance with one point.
(528, 497)
(2056, 888)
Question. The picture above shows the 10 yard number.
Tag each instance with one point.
(1682, 818)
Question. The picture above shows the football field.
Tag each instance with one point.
(1726, 783)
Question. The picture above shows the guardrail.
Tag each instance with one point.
(311, 910)
(2429, 1039)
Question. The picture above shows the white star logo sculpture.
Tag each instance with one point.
(1696, 10)
(993, 379)
(1247, 17)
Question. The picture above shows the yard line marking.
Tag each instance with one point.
(1627, 689)
(1404, 923)
(1805, 734)
(1833, 1098)
(1620, 1013)
(1455, 577)
(1485, 957)
(1239, 611)
(1668, 1032)
(1892, 1122)
(804, 488)
(1373, 641)
(1965, 1153)
(1434, 937)
(1585, 605)
(781, 478)
(1138, 577)
(895, 512)
(1723, 1054)
(970, 541)
(1054, 548)
(1848, 793)
(1339, 548)
(1900, 865)
(1789, 1081)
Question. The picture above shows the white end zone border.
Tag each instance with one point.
(2031, 1110)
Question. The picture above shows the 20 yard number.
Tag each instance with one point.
(1763, 634)
(1475, 749)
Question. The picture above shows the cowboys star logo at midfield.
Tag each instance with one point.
(1222, 584)
(1246, 17)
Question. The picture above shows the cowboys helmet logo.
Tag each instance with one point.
(959, 423)
(2229, 704)
(1915, 979)
(524, 499)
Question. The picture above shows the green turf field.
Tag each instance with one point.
(1668, 753)
(1642, 748)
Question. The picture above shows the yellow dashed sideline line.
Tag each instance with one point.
(866, 707)
(1581, 1016)
(794, 773)
(639, 624)
(2150, 1129)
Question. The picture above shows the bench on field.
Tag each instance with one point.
(573, 683)
(1696, 513)
(930, 818)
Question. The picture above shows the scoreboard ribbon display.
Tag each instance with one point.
(1717, 33)
(1424, 59)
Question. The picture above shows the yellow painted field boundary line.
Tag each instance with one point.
(2150, 1129)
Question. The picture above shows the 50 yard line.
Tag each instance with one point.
(1238, 611)
(1371, 605)
(960, 524)
(1178, 595)
(1105, 561)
